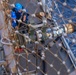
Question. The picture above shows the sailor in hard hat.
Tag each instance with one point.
(18, 14)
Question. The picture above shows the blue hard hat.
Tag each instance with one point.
(18, 6)
(13, 15)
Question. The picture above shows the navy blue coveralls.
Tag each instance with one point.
(19, 15)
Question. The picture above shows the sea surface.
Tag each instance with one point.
(68, 14)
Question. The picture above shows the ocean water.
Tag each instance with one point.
(68, 14)
(66, 11)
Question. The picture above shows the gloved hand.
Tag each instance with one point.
(14, 23)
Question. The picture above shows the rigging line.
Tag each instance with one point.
(59, 11)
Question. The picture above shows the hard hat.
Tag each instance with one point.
(18, 6)
(13, 15)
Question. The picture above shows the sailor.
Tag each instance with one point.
(19, 13)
